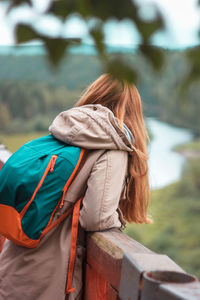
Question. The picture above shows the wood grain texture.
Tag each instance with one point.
(105, 251)
(106, 264)
(95, 285)
(112, 294)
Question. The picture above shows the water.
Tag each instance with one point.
(165, 165)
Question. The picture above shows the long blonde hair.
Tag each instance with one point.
(123, 99)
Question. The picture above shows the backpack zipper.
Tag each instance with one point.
(53, 161)
(62, 199)
(49, 168)
(61, 203)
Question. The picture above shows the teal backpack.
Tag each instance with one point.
(33, 184)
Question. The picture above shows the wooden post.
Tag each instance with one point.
(116, 266)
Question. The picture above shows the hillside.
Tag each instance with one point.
(175, 210)
(29, 91)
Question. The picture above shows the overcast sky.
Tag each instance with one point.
(182, 16)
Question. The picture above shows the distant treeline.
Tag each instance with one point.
(27, 106)
(31, 95)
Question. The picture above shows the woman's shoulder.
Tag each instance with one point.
(113, 162)
(115, 156)
(119, 157)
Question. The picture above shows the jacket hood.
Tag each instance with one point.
(91, 127)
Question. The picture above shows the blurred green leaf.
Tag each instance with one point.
(154, 55)
(15, 3)
(98, 37)
(103, 10)
(100, 11)
(113, 8)
(121, 70)
(147, 29)
(24, 33)
(19, 2)
(62, 8)
(193, 56)
(55, 46)
(94, 8)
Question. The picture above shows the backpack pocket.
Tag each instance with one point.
(49, 168)
(34, 182)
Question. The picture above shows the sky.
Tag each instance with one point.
(182, 20)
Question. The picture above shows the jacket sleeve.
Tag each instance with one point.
(104, 187)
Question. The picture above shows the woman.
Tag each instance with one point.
(108, 122)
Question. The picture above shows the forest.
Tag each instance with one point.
(29, 91)
(31, 96)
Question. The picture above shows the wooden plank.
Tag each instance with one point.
(189, 291)
(112, 294)
(134, 265)
(106, 264)
(95, 285)
(105, 251)
(115, 239)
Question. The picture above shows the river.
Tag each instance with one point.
(165, 165)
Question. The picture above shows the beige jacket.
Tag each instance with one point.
(40, 273)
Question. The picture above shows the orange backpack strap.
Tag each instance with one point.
(74, 233)
(2, 241)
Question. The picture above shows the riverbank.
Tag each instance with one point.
(189, 150)
(14, 141)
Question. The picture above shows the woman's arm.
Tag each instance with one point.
(104, 187)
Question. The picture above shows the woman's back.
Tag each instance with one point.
(41, 273)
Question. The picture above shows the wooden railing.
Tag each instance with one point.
(118, 267)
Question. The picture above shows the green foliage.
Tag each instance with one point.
(190, 183)
(175, 231)
(14, 141)
(25, 33)
(56, 47)
(193, 57)
(155, 56)
(27, 106)
(15, 3)
(161, 92)
(98, 36)
(120, 69)
(101, 12)
(76, 71)
(4, 116)
(194, 145)
(48, 93)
